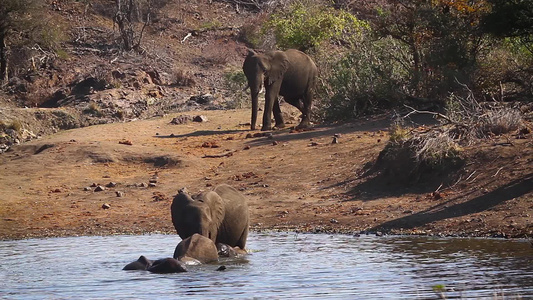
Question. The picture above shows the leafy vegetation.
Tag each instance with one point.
(305, 25)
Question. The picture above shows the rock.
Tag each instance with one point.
(106, 206)
(99, 188)
(246, 148)
(151, 184)
(87, 189)
(335, 140)
(111, 184)
(202, 99)
(221, 268)
(182, 119)
(119, 193)
(125, 142)
(200, 118)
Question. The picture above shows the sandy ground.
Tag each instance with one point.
(292, 180)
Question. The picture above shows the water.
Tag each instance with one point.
(281, 266)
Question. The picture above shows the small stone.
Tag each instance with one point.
(172, 135)
(94, 184)
(274, 143)
(152, 181)
(246, 148)
(200, 118)
(87, 188)
(142, 184)
(119, 193)
(312, 144)
(334, 221)
(151, 184)
(126, 142)
(99, 188)
(335, 140)
(106, 206)
(111, 184)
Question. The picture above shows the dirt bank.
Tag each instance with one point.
(294, 181)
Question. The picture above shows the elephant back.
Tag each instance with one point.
(234, 228)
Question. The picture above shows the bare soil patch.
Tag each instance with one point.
(293, 180)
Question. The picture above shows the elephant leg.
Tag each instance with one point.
(241, 243)
(271, 96)
(277, 115)
(296, 103)
(306, 111)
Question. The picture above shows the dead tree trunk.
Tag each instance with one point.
(3, 55)
(123, 18)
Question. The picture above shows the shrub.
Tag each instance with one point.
(305, 25)
(369, 77)
(473, 120)
(236, 83)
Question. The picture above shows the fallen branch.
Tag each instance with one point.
(496, 174)
(439, 115)
(225, 154)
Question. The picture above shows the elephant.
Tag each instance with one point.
(167, 265)
(291, 74)
(142, 263)
(220, 215)
(225, 250)
(197, 247)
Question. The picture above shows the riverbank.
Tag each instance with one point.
(120, 178)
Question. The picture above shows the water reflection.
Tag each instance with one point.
(284, 265)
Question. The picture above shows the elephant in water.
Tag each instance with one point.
(161, 266)
(197, 247)
(220, 215)
(291, 74)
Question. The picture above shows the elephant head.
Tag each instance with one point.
(202, 216)
(220, 215)
(142, 263)
(291, 74)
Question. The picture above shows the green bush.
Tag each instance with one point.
(305, 25)
(369, 77)
(235, 82)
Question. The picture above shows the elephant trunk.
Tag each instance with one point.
(255, 107)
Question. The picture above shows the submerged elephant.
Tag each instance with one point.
(167, 265)
(142, 263)
(161, 266)
(197, 247)
(220, 215)
(225, 250)
(291, 74)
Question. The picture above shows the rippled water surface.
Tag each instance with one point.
(282, 265)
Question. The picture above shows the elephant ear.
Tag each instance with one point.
(217, 210)
(279, 64)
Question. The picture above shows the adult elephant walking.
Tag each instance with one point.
(291, 74)
(220, 215)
